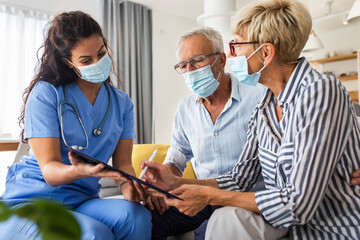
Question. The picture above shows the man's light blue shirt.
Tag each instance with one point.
(214, 147)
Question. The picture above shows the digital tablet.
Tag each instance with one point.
(92, 160)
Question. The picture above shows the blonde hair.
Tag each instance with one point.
(284, 23)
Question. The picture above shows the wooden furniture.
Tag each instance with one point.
(333, 59)
(9, 145)
(354, 94)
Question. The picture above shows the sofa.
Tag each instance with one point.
(140, 152)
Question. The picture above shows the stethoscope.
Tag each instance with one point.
(96, 132)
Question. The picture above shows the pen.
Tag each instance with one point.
(146, 167)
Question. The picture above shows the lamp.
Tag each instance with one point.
(217, 14)
(354, 14)
(313, 43)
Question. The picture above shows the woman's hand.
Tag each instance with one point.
(160, 176)
(133, 191)
(195, 198)
(156, 201)
(355, 177)
(83, 169)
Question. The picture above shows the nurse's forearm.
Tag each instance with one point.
(128, 168)
(56, 173)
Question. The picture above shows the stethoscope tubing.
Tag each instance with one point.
(96, 132)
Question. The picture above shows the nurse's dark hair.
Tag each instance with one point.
(62, 34)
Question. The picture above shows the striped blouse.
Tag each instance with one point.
(306, 159)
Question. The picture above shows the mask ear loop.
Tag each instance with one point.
(73, 68)
(263, 67)
(213, 65)
(255, 51)
(214, 61)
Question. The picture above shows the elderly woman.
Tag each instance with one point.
(303, 138)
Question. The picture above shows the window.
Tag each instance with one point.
(21, 35)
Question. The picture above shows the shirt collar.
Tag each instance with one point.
(291, 87)
(234, 89)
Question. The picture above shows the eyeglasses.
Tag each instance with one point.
(233, 43)
(195, 62)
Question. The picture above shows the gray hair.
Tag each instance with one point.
(210, 34)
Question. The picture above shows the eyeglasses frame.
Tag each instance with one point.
(232, 48)
(192, 59)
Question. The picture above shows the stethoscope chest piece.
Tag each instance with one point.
(97, 132)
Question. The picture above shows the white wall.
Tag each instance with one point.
(91, 7)
(169, 86)
(339, 41)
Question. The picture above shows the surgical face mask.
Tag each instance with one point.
(239, 66)
(201, 81)
(97, 72)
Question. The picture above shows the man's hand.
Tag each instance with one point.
(195, 198)
(160, 176)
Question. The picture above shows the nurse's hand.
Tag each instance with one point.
(82, 169)
(133, 191)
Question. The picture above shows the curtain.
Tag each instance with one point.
(21, 35)
(128, 28)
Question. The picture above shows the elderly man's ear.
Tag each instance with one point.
(222, 59)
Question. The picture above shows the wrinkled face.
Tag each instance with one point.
(191, 49)
(87, 51)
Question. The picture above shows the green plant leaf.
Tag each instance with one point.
(53, 220)
(5, 212)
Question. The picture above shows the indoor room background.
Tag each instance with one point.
(170, 19)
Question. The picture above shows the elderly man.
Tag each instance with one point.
(210, 124)
(303, 139)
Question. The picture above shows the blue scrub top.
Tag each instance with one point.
(25, 182)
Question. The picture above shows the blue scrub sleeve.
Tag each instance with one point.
(128, 119)
(41, 117)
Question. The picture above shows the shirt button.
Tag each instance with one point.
(218, 155)
(216, 133)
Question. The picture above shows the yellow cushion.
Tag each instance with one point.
(143, 152)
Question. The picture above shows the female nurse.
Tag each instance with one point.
(71, 103)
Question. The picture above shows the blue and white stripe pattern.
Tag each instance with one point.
(306, 159)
